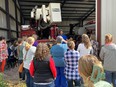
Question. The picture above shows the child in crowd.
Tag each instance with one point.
(42, 67)
(91, 70)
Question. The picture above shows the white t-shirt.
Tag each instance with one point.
(83, 50)
(29, 56)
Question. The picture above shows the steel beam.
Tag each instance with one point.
(88, 14)
(17, 30)
(8, 19)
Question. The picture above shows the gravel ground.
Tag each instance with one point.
(11, 76)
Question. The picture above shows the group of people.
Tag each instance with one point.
(61, 65)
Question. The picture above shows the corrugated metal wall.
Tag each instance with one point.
(108, 18)
(10, 21)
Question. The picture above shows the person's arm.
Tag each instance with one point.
(31, 69)
(53, 68)
(65, 41)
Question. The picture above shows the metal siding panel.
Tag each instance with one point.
(108, 19)
(2, 20)
(11, 8)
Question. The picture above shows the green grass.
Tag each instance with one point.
(2, 82)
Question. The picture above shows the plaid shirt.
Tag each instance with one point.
(71, 58)
(3, 51)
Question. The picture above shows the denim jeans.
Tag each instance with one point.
(111, 77)
(48, 85)
(60, 81)
(29, 80)
(76, 83)
(21, 74)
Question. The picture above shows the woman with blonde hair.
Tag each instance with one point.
(91, 70)
(42, 67)
(71, 58)
(108, 55)
(85, 47)
(28, 54)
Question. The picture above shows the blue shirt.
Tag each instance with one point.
(57, 52)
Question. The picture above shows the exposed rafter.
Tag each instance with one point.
(70, 9)
(88, 13)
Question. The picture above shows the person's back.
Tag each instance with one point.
(42, 67)
(83, 50)
(108, 55)
(57, 52)
(85, 47)
(42, 72)
(20, 48)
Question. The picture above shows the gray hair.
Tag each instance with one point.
(59, 39)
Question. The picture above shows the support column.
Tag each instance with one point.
(8, 19)
(98, 20)
(17, 31)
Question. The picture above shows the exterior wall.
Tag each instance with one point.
(108, 19)
(9, 19)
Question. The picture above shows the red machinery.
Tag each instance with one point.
(26, 30)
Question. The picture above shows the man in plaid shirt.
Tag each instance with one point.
(71, 58)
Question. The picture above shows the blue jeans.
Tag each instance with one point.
(48, 85)
(76, 82)
(60, 79)
(22, 75)
(29, 80)
(111, 77)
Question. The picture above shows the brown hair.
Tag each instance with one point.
(86, 64)
(108, 38)
(42, 51)
(86, 41)
(20, 40)
(71, 44)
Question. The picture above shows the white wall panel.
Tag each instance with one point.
(2, 4)
(12, 24)
(11, 8)
(108, 19)
(2, 20)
